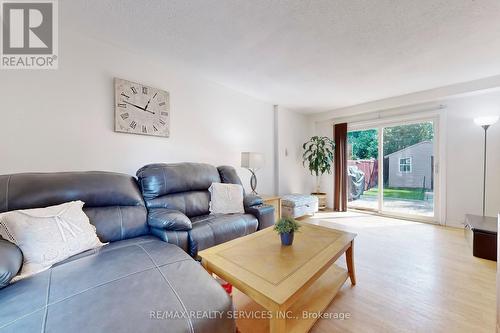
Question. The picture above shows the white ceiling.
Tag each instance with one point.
(311, 56)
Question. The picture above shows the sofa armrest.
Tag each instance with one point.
(11, 260)
(179, 238)
(252, 200)
(168, 219)
(263, 213)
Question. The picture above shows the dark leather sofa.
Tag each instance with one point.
(177, 199)
(137, 281)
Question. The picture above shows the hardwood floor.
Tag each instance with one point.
(411, 277)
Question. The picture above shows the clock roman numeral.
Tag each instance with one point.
(144, 129)
(155, 129)
(163, 113)
(156, 93)
(162, 122)
(133, 124)
(124, 116)
(161, 104)
(133, 90)
(145, 90)
(126, 96)
(122, 105)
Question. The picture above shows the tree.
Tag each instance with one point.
(399, 137)
(364, 144)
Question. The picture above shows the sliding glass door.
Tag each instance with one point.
(408, 169)
(403, 181)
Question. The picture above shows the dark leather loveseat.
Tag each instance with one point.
(139, 282)
(177, 199)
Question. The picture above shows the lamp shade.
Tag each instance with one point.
(252, 160)
(485, 121)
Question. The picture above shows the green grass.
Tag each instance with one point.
(398, 193)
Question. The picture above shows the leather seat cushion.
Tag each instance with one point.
(123, 287)
(210, 230)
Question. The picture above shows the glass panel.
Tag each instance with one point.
(363, 169)
(409, 169)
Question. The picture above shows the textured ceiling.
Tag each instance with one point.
(307, 55)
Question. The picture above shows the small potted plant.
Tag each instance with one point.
(286, 227)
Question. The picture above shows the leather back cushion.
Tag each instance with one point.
(160, 179)
(113, 201)
(229, 175)
(180, 186)
(192, 203)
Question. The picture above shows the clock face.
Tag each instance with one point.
(140, 109)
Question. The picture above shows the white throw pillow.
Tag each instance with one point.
(48, 235)
(226, 198)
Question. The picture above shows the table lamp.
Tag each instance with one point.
(253, 162)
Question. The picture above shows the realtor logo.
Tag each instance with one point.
(29, 34)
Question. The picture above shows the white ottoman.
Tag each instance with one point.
(297, 205)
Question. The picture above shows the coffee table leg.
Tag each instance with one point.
(350, 263)
(277, 324)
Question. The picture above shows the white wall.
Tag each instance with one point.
(293, 130)
(463, 156)
(63, 119)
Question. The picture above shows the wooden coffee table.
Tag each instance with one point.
(286, 280)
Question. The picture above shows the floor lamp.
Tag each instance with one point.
(485, 123)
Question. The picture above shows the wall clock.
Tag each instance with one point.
(140, 109)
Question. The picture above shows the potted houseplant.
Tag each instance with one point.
(318, 155)
(286, 226)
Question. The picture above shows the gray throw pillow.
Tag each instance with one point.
(226, 198)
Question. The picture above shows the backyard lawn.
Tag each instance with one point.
(398, 193)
